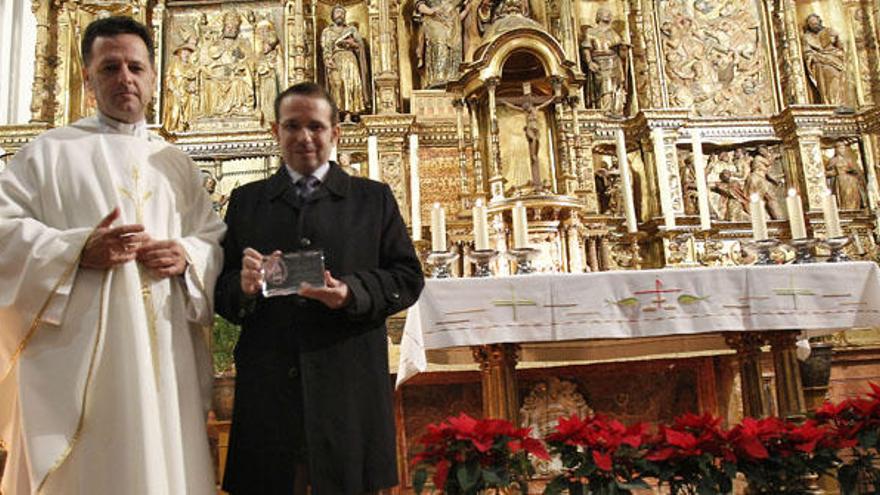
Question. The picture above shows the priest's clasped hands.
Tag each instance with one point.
(334, 294)
(109, 246)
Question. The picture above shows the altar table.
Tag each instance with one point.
(815, 299)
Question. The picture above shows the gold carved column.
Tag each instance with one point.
(790, 66)
(498, 378)
(800, 128)
(63, 95)
(42, 102)
(586, 172)
(158, 19)
(570, 179)
(789, 392)
(299, 17)
(384, 53)
(651, 88)
(466, 191)
(659, 133)
(870, 141)
(392, 132)
(476, 154)
(748, 353)
(496, 180)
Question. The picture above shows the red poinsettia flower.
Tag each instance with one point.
(486, 447)
(441, 472)
(746, 438)
(602, 460)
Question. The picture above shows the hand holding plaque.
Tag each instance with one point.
(284, 273)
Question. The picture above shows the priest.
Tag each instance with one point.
(108, 255)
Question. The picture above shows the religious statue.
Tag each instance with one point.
(604, 54)
(438, 41)
(742, 163)
(532, 131)
(825, 58)
(689, 183)
(474, 15)
(345, 64)
(734, 204)
(761, 182)
(218, 200)
(608, 190)
(344, 160)
(268, 60)
(504, 8)
(182, 95)
(229, 78)
(845, 178)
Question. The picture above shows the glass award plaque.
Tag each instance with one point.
(284, 273)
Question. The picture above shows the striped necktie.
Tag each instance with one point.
(306, 185)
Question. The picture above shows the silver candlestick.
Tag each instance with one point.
(482, 258)
(524, 258)
(836, 245)
(803, 250)
(763, 248)
(440, 261)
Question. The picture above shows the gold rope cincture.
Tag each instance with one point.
(139, 200)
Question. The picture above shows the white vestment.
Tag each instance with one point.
(104, 374)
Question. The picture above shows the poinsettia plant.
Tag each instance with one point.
(856, 424)
(693, 456)
(599, 456)
(468, 456)
(776, 455)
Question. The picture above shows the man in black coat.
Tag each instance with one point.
(313, 398)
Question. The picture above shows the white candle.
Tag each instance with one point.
(759, 218)
(481, 226)
(629, 209)
(657, 136)
(795, 215)
(520, 226)
(373, 170)
(700, 172)
(438, 228)
(829, 213)
(334, 155)
(415, 192)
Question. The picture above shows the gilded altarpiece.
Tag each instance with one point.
(590, 113)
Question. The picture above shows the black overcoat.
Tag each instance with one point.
(297, 360)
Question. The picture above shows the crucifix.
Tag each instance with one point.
(532, 110)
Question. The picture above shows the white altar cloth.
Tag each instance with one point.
(816, 298)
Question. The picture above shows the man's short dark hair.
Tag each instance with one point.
(114, 26)
(311, 90)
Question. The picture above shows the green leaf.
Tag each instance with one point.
(491, 477)
(468, 475)
(637, 484)
(556, 486)
(419, 478)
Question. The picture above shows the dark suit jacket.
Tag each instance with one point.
(307, 376)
